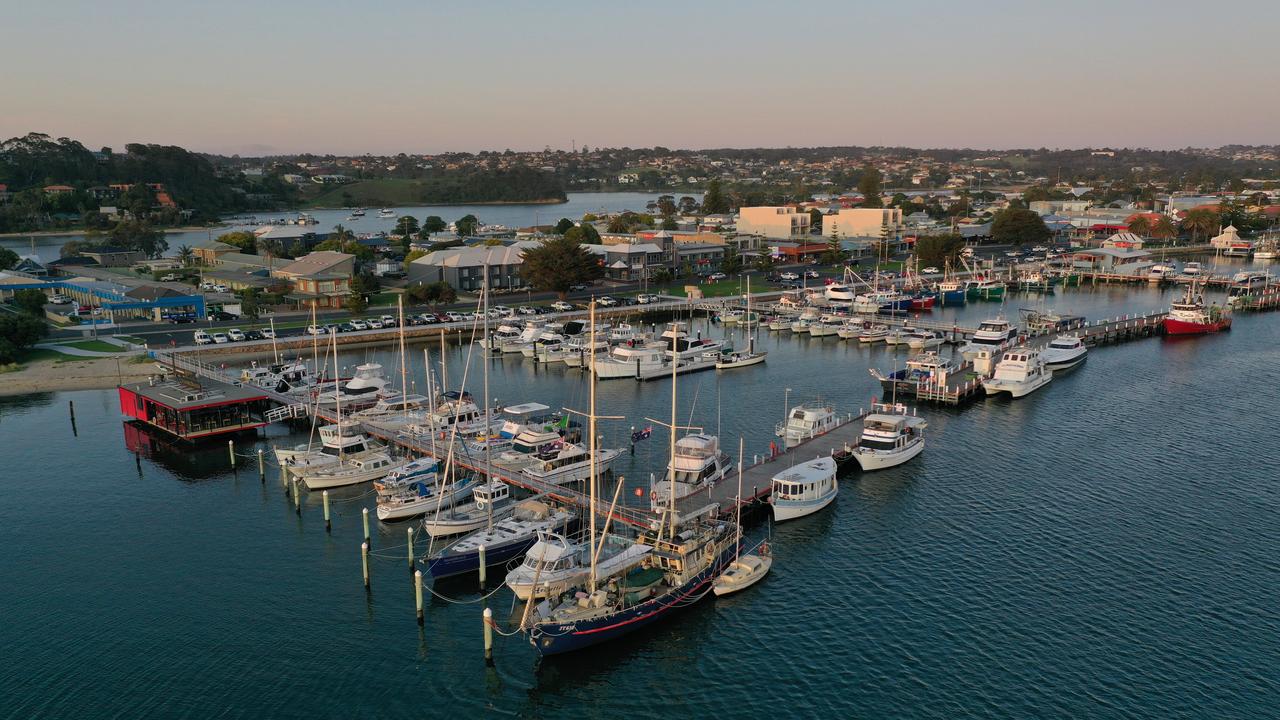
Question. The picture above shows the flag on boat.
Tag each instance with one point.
(639, 435)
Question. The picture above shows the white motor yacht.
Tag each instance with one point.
(489, 500)
(803, 489)
(698, 466)
(1020, 372)
(392, 410)
(556, 564)
(679, 345)
(361, 391)
(1064, 352)
(924, 339)
(630, 360)
(807, 420)
(873, 333)
(890, 436)
(567, 462)
(992, 336)
(344, 438)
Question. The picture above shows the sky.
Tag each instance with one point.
(390, 76)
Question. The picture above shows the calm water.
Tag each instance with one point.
(1105, 548)
(47, 247)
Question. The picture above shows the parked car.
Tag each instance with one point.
(202, 338)
(455, 316)
(813, 274)
(606, 301)
(717, 276)
(628, 301)
(253, 335)
(526, 310)
(788, 275)
(646, 298)
(930, 270)
(428, 318)
(388, 320)
(220, 338)
(169, 278)
(221, 315)
(59, 299)
(181, 318)
(374, 324)
(235, 334)
(358, 325)
(503, 310)
(267, 333)
(577, 287)
(316, 330)
(221, 288)
(346, 327)
(561, 306)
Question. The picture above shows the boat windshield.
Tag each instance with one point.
(878, 444)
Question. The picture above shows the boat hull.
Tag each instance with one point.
(744, 572)
(449, 565)
(1016, 389)
(869, 461)
(784, 510)
(1174, 326)
(1066, 364)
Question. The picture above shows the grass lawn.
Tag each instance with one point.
(722, 288)
(94, 346)
(43, 354)
(383, 298)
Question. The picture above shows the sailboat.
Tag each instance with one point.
(746, 570)
(738, 358)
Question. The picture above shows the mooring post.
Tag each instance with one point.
(262, 466)
(325, 496)
(365, 516)
(364, 563)
(409, 533)
(231, 451)
(417, 594)
(488, 637)
(483, 567)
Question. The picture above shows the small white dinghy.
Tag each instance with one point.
(744, 572)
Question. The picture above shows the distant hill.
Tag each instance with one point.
(515, 185)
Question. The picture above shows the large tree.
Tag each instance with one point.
(1200, 223)
(466, 225)
(8, 258)
(30, 300)
(563, 226)
(584, 233)
(869, 186)
(270, 248)
(559, 263)
(1164, 228)
(406, 226)
(713, 201)
(1015, 226)
(432, 224)
(1140, 225)
(246, 241)
(17, 333)
(936, 250)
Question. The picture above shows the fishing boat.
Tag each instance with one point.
(991, 336)
(807, 420)
(890, 436)
(631, 360)
(923, 300)
(984, 289)
(927, 368)
(1064, 353)
(554, 563)
(489, 501)
(503, 540)
(1190, 315)
(680, 345)
(1020, 372)
(565, 462)
(1035, 281)
(345, 437)
(415, 488)
(696, 465)
(1039, 322)
(803, 489)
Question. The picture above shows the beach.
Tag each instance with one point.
(78, 374)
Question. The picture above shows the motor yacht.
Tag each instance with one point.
(1020, 372)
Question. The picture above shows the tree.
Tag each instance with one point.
(365, 283)
(559, 263)
(834, 254)
(466, 225)
(406, 226)
(250, 306)
(439, 292)
(669, 223)
(619, 223)
(186, 255)
(563, 226)
(1201, 222)
(764, 263)
(1140, 225)
(869, 186)
(937, 250)
(355, 303)
(140, 236)
(815, 219)
(732, 261)
(270, 248)
(1163, 228)
(1015, 226)
(713, 201)
(137, 200)
(8, 259)
(30, 301)
(584, 234)
(247, 242)
(17, 333)
(432, 224)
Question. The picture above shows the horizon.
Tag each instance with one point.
(296, 79)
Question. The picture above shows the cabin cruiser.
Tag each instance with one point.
(451, 408)
(527, 335)
(899, 336)
(505, 333)
(881, 301)
(567, 462)
(840, 293)
(873, 333)
(807, 420)
(578, 351)
(923, 339)
(511, 422)
(826, 325)
(625, 333)
(1246, 285)
(676, 337)
(361, 391)
(926, 368)
(992, 336)
(391, 411)
(1191, 271)
(1020, 372)
(890, 436)
(349, 470)
(544, 347)
(344, 438)
(386, 213)
(506, 540)
(529, 443)
(555, 564)
(630, 360)
(284, 377)
(803, 489)
(1064, 352)
(490, 500)
(1161, 271)
(697, 465)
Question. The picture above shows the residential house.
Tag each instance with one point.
(110, 256)
(631, 261)
(463, 267)
(58, 189)
(320, 279)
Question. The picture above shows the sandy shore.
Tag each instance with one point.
(86, 374)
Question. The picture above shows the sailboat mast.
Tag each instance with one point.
(404, 367)
(275, 352)
(488, 422)
(671, 500)
(431, 407)
(751, 331)
(337, 390)
(738, 547)
(315, 345)
(591, 444)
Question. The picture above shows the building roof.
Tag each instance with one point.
(1117, 253)
(315, 263)
(153, 292)
(476, 256)
(188, 396)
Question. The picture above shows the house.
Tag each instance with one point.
(702, 257)
(319, 279)
(1114, 261)
(864, 223)
(30, 265)
(1123, 240)
(630, 261)
(780, 222)
(109, 256)
(58, 189)
(208, 252)
(463, 267)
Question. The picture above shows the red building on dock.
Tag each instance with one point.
(192, 411)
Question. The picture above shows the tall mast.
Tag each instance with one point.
(591, 443)
(671, 500)
(275, 353)
(315, 346)
(431, 408)
(488, 422)
(337, 390)
(738, 546)
(751, 333)
(404, 367)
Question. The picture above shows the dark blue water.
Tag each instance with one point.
(1104, 548)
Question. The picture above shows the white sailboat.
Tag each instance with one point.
(736, 358)
(745, 570)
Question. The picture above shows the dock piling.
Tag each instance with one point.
(262, 467)
(231, 451)
(488, 637)
(483, 568)
(409, 533)
(364, 512)
(325, 496)
(297, 497)
(417, 594)
(364, 563)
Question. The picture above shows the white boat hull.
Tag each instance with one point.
(741, 362)
(1017, 389)
(742, 573)
(341, 478)
(463, 523)
(793, 509)
(870, 460)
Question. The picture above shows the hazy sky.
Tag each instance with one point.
(421, 76)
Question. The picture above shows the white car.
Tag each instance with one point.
(930, 269)
(717, 276)
(375, 324)
(235, 335)
(455, 317)
(219, 338)
(202, 338)
(206, 285)
(561, 306)
(789, 276)
(606, 301)
(526, 310)
(646, 298)
(388, 320)
(268, 333)
(359, 324)
(221, 288)
(169, 278)
(503, 311)
(59, 299)
(315, 330)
